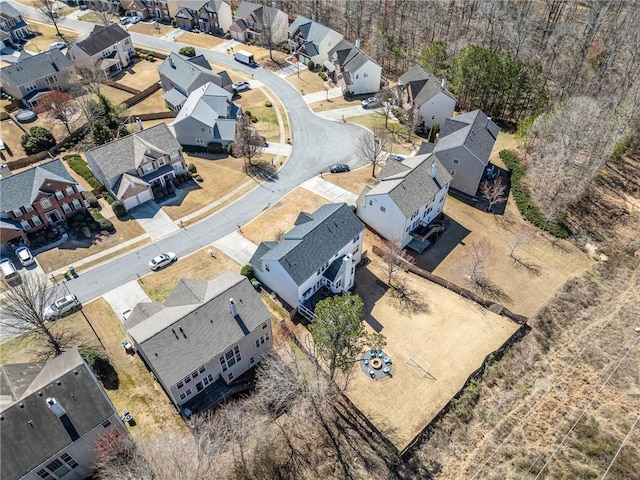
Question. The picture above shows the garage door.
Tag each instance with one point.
(136, 200)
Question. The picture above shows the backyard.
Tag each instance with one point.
(45, 36)
(140, 74)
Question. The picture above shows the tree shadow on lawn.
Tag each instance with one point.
(408, 300)
(371, 289)
(448, 240)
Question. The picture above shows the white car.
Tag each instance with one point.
(371, 102)
(162, 260)
(125, 20)
(61, 307)
(134, 19)
(59, 45)
(241, 86)
(24, 255)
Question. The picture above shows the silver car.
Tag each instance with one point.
(24, 255)
(62, 307)
(162, 260)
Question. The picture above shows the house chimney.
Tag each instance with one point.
(434, 169)
(444, 84)
(486, 123)
(233, 310)
(171, 62)
(273, 4)
(139, 124)
(358, 43)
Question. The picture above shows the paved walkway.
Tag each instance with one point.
(328, 190)
(289, 70)
(320, 96)
(126, 296)
(237, 247)
(155, 222)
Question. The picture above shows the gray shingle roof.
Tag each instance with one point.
(349, 57)
(423, 85)
(31, 433)
(188, 73)
(198, 312)
(7, 10)
(472, 130)
(29, 69)
(315, 239)
(409, 184)
(123, 155)
(101, 38)
(21, 189)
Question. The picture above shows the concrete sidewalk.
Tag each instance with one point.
(328, 190)
(346, 112)
(320, 96)
(236, 247)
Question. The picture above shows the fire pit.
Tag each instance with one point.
(375, 363)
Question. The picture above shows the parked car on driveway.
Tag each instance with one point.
(241, 86)
(62, 307)
(125, 20)
(371, 102)
(397, 158)
(24, 255)
(134, 19)
(339, 167)
(162, 260)
(55, 45)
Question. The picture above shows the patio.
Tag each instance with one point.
(376, 364)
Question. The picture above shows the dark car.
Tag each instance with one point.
(339, 167)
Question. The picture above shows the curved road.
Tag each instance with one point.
(317, 143)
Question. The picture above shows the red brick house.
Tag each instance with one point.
(35, 200)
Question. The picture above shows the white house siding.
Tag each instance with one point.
(389, 223)
(468, 171)
(366, 79)
(437, 109)
(81, 451)
(279, 281)
(138, 199)
(225, 18)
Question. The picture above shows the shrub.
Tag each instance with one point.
(37, 140)
(191, 168)
(227, 36)
(91, 198)
(173, 22)
(214, 147)
(86, 231)
(268, 104)
(108, 198)
(99, 362)
(194, 175)
(81, 167)
(527, 207)
(311, 65)
(247, 113)
(106, 225)
(199, 178)
(119, 208)
(247, 271)
(254, 119)
(322, 75)
(187, 51)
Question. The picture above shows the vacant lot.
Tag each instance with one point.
(435, 342)
(151, 28)
(220, 178)
(139, 75)
(279, 218)
(203, 40)
(307, 82)
(199, 265)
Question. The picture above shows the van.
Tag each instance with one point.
(8, 269)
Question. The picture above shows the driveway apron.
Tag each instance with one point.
(153, 220)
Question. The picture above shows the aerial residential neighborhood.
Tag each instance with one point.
(290, 239)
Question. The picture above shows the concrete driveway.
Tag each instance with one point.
(328, 190)
(236, 247)
(153, 219)
(125, 296)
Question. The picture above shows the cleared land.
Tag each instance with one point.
(151, 28)
(279, 218)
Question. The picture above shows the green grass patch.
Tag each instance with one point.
(527, 207)
(81, 167)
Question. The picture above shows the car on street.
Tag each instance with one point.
(59, 45)
(125, 20)
(125, 314)
(62, 307)
(162, 260)
(339, 167)
(241, 86)
(24, 255)
(371, 102)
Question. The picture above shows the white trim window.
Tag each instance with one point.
(36, 221)
(70, 190)
(66, 208)
(147, 168)
(59, 195)
(76, 204)
(28, 208)
(17, 212)
(25, 224)
(45, 202)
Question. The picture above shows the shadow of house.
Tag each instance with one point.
(453, 235)
(479, 201)
(371, 289)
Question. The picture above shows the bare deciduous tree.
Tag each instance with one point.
(248, 144)
(395, 259)
(476, 265)
(272, 27)
(104, 11)
(59, 106)
(388, 99)
(91, 75)
(493, 191)
(373, 147)
(49, 8)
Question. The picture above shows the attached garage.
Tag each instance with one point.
(138, 199)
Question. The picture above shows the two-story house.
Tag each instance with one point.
(407, 199)
(202, 338)
(130, 166)
(317, 257)
(353, 69)
(34, 199)
(143, 9)
(464, 146)
(33, 75)
(110, 48)
(208, 116)
(50, 416)
(312, 41)
(420, 90)
(209, 16)
(12, 24)
(180, 76)
(252, 20)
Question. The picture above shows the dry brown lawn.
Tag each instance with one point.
(444, 337)
(199, 265)
(355, 180)
(141, 75)
(220, 178)
(397, 132)
(114, 94)
(307, 82)
(151, 28)
(11, 135)
(46, 35)
(261, 55)
(333, 104)
(153, 104)
(254, 102)
(203, 40)
(281, 216)
(92, 17)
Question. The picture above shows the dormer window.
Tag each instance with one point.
(147, 168)
(175, 155)
(161, 161)
(17, 212)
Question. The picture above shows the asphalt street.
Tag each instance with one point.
(317, 143)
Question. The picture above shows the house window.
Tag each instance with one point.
(453, 173)
(17, 212)
(51, 80)
(200, 141)
(266, 336)
(66, 208)
(58, 468)
(230, 376)
(370, 202)
(264, 325)
(187, 380)
(179, 385)
(205, 381)
(175, 155)
(201, 369)
(382, 209)
(365, 74)
(182, 396)
(76, 203)
(106, 423)
(36, 221)
(161, 161)
(25, 224)
(44, 474)
(231, 361)
(70, 461)
(28, 208)
(188, 392)
(266, 267)
(456, 161)
(261, 340)
(70, 191)
(45, 202)
(194, 374)
(29, 87)
(148, 168)
(59, 195)
(257, 343)
(251, 361)
(203, 129)
(236, 350)
(433, 117)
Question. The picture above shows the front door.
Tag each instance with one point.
(53, 216)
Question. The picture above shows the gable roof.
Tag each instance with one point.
(473, 130)
(31, 433)
(349, 57)
(124, 154)
(315, 238)
(310, 30)
(23, 188)
(8, 11)
(188, 73)
(102, 38)
(195, 325)
(423, 85)
(35, 67)
(410, 184)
